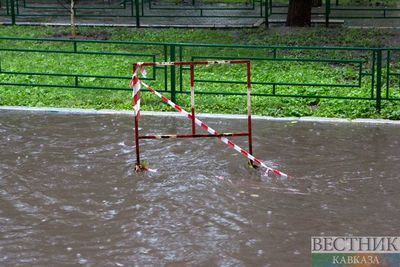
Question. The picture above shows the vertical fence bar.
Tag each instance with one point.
(192, 97)
(173, 73)
(270, 6)
(17, 7)
(180, 69)
(12, 7)
(137, 114)
(137, 13)
(373, 73)
(388, 57)
(248, 82)
(327, 12)
(266, 14)
(165, 68)
(137, 141)
(378, 80)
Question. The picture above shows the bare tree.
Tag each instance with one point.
(70, 6)
(73, 24)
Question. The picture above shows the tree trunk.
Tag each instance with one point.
(299, 13)
(73, 25)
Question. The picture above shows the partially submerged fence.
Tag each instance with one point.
(370, 74)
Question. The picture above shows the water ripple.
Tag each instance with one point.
(69, 194)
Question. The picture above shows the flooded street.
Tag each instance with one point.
(69, 194)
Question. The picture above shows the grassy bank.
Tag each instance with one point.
(276, 72)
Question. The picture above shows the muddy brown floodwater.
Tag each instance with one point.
(69, 195)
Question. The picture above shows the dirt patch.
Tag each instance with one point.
(90, 35)
(391, 38)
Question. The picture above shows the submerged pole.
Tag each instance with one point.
(249, 126)
(135, 84)
(137, 166)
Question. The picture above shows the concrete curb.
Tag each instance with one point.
(143, 25)
(204, 115)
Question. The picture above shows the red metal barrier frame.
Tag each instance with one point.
(191, 64)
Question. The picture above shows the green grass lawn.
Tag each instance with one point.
(263, 71)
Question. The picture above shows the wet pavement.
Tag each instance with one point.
(69, 195)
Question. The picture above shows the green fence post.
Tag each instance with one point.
(266, 14)
(270, 6)
(388, 73)
(327, 12)
(137, 13)
(12, 12)
(378, 80)
(173, 71)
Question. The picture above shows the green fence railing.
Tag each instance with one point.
(331, 10)
(132, 12)
(369, 74)
(187, 12)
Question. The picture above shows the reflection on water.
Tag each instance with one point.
(69, 195)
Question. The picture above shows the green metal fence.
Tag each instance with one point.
(91, 9)
(188, 12)
(369, 74)
(132, 12)
(392, 74)
(331, 10)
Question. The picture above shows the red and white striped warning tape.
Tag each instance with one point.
(207, 62)
(135, 85)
